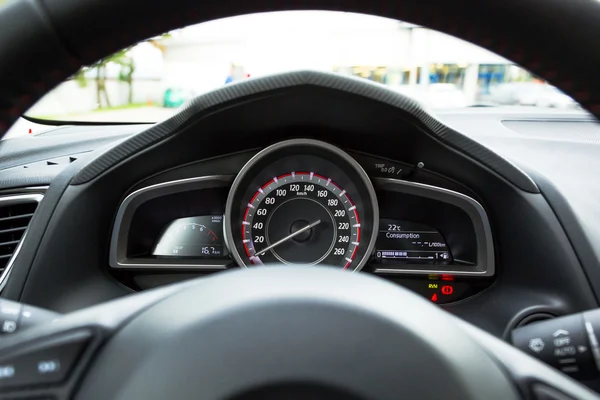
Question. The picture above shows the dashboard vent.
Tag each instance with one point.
(15, 214)
(63, 161)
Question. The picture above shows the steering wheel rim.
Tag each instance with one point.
(243, 335)
(304, 328)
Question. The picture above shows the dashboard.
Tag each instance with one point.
(340, 174)
(306, 202)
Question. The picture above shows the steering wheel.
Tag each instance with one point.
(288, 333)
(283, 333)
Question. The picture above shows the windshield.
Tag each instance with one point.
(149, 81)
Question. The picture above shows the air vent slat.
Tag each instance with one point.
(11, 243)
(15, 214)
(13, 230)
(23, 216)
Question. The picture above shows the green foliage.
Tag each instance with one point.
(120, 58)
(127, 69)
(80, 78)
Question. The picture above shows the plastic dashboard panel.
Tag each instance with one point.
(355, 86)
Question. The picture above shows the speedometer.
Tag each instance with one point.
(301, 218)
(303, 202)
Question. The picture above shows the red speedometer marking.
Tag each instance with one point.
(353, 252)
(250, 257)
(356, 215)
(351, 257)
(348, 198)
(266, 185)
(336, 185)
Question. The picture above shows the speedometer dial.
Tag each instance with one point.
(301, 202)
(301, 218)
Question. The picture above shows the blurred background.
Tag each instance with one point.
(149, 81)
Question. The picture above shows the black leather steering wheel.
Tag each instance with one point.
(294, 333)
(283, 333)
(280, 333)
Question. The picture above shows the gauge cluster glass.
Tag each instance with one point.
(302, 202)
(198, 237)
(301, 218)
(408, 241)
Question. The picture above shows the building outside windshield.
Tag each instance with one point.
(149, 81)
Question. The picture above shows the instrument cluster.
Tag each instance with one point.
(306, 202)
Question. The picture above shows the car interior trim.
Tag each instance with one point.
(8, 200)
(25, 190)
(118, 245)
(206, 102)
(485, 265)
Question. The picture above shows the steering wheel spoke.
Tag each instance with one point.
(49, 359)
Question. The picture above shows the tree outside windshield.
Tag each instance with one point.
(149, 81)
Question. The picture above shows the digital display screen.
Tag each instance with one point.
(197, 237)
(411, 242)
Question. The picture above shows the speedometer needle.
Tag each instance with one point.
(288, 237)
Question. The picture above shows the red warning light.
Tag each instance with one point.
(446, 277)
(447, 290)
(434, 298)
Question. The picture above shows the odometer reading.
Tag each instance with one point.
(301, 218)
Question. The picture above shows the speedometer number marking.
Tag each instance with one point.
(279, 222)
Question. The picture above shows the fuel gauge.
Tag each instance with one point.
(193, 237)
